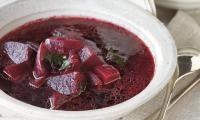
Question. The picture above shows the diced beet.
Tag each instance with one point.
(92, 45)
(94, 79)
(77, 83)
(18, 52)
(37, 83)
(33, 46)
(40, 68)
(74, 60)
(89, 58)
(17, 72)
(68, 33)
(62, 45)
(57, 100)
(68, 84)
(107, 73)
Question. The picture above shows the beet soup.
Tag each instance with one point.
(73, 64)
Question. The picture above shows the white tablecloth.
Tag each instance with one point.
(187, 109)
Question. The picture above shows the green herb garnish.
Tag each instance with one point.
(57, 61)
(66, 64)
(115, 57)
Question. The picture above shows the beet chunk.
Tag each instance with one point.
(62, 45)
(32, 45)
(68, 32)
(74, 60)
(89, 58)
(18, 52)
(40, 68)
(68, 84)
(57, 100)
(107, 73)
(17, 72)
(92, 45)
(94, 79)
(37, 83)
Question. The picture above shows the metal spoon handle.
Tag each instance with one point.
(184, 92)
(170, 88)
(176, 98)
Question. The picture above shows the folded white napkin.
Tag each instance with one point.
(195, 14)
(186, 32)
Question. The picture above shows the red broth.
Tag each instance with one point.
(136, 72)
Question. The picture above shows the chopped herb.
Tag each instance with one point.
(57, 61)
(66, 64)
(115, 57)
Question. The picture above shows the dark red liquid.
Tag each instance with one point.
(136, 74)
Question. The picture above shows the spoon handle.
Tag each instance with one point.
(169, 93)
(186, 90)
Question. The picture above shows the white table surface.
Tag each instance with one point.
(186, 109)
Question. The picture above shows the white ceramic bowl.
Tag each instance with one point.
(119, 12)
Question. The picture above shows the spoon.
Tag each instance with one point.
(188, 64)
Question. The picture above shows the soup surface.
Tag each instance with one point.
(73, 64)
